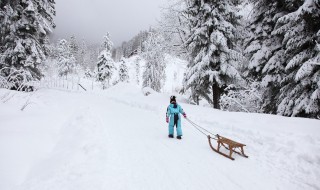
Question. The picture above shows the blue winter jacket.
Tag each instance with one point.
(171, 111)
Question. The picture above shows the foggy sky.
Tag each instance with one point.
(91, 19)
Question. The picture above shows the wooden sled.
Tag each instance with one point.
(229, 145)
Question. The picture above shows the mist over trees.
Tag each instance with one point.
(133, 46)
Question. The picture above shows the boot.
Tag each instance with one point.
(170, 136)
(179, 137)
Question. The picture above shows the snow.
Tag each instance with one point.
(117, 139)
(174, 71)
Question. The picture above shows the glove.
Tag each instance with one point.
(184, 115)
(167, 119)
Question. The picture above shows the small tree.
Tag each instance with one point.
(66, 60)
(83, 49)
(74, 47)
(137, 67)
(123, 72)
(88, 73)
(105, 65)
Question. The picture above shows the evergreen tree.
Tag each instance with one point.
(300, 32)
(105, 65)
(154, 74)
(66, 60)
(283, 52)
(74, 48)
(212, 47)
(137, 67)
(123, 72)
(88, 73)
(83, 53)
(25, 26)
(264, 51)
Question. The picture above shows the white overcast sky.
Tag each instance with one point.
(91, 19)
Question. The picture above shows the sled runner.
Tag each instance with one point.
(229, 145)
(222, 141)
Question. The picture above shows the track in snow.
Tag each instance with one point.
(118, 140)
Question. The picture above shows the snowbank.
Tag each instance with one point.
(117, 139)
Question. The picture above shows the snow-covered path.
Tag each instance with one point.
(118, 140)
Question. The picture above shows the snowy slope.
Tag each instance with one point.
(117, 139)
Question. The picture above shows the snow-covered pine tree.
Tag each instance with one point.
(83, 54)
(137, 68)
(154, 73)
(212, 47)
(265, 52)
(25, 26)
(281, 51)
(74, 48)
(66, 60)
(88, 73)
(123, 71)
(105, 65)
(300, 31)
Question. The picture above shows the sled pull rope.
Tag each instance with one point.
(201, 130)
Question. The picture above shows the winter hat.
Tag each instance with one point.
(173, 99)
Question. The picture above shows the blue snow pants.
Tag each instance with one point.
(173, 112)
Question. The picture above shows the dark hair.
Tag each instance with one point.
(173, 99)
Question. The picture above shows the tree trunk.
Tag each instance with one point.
(216, 96)
(198, 100)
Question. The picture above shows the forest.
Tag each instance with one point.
(246, 56)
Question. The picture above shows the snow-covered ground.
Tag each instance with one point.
(117, 139)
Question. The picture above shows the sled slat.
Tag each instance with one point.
(229, 145)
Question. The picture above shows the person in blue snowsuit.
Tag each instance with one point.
(173, 112)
